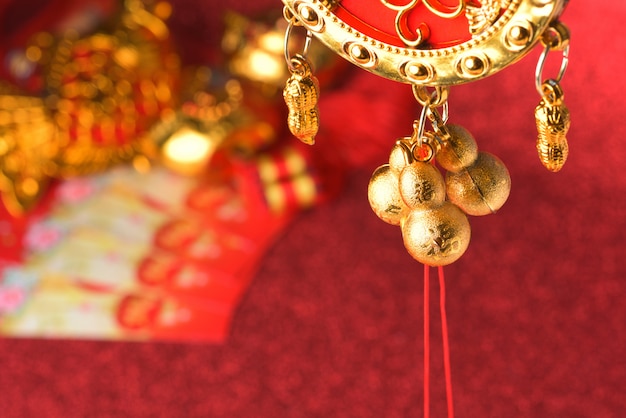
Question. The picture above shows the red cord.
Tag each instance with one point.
(426, 342)
(446, 346)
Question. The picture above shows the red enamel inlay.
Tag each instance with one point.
(377, 20)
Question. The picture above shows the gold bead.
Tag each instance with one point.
(400, 157)
(438, 236)
(458, 151)
(481, 188)
(421, 184)
(384, 196)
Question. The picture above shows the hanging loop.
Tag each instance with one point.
(438, 97)
(430, 100)
(307, 43)
(555, 38)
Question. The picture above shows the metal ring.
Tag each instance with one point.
(307, 44)
(438, 97)
(421, 125)
(427, 113)
(541, 63)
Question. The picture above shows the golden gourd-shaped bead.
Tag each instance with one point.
(422, 185)
(384, 197)
(458, 151)
(482, 188)
(437, 236)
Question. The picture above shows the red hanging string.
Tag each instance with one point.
(446, 345)
(444, 336)
(426, 342)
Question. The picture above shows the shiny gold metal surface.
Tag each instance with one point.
(301, 94)
(383, 194)
(553, 122)
(502, 32)
(400, 155)
(422, 185)
(458, 150)
(481, 188)
(438, 236)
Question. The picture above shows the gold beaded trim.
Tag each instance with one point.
(493, 46)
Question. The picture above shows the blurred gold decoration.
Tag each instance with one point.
(255, 49)
(186, 140)
(106, 91)
(121, 96)
(103, 92)
(27, 148)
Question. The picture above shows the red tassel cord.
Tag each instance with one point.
(446, 345)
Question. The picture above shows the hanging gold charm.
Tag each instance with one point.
(553, 122)
(551, 115)
(301, 94)
(302, 88)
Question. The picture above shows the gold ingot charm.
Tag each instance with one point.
(301, 95)
(553, 122)
(438, 236)
(482, 188)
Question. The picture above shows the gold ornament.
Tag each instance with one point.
(435, 46)
(384, 196)
(438, 236)
(103, 91)
(458, 149)
(400, 156)
(553, 122)
(477, 183)
(26, 150)
(411, 192)
(421, 184)
(482, 188)
(301, 93)
(551, 115)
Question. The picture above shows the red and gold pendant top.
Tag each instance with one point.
(428, 42)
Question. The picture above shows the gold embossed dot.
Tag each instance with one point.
(359, 53)
(519, 35)
(416, 71)
(472, 66)
(309, 15)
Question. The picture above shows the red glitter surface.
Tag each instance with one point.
(331, 326)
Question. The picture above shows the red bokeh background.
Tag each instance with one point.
(331, 325)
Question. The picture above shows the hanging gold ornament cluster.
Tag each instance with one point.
(430, 45)
(431, 209)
